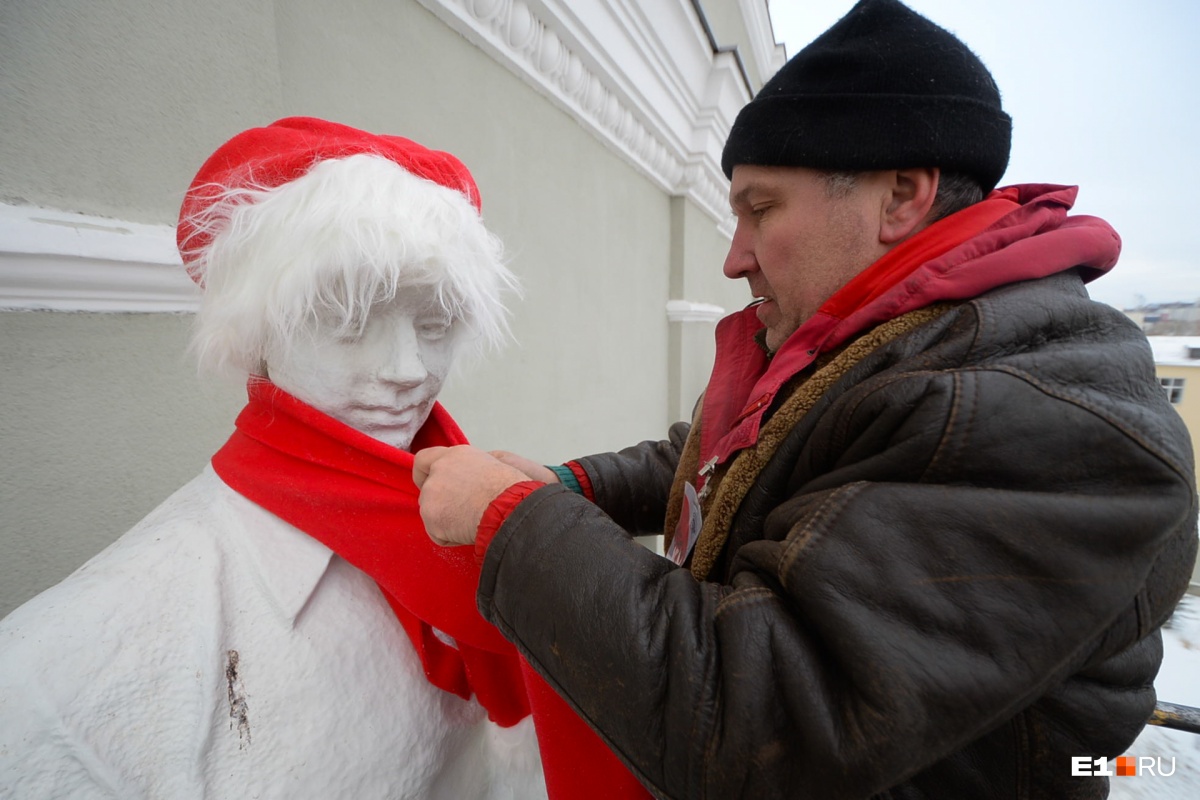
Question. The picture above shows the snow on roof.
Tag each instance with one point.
(1175, 351)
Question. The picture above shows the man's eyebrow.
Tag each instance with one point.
(739, 199)
(742, 198)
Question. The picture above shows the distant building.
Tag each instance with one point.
(1177, 363)
(1167, 319)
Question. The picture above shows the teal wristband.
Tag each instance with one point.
(567, 478)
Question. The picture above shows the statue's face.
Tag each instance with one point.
(382, 382)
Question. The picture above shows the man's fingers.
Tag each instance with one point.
(457, 484)
(423, 462)
(531, 469)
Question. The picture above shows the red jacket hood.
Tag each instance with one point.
(1028, 235)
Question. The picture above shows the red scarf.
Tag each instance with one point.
(356, 495)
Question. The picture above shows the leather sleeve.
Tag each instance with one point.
(950, 546)
(632, 485)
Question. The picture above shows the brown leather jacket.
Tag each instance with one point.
(944, 577)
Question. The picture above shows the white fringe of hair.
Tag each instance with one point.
(326, 247)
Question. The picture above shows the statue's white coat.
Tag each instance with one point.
(121, 681)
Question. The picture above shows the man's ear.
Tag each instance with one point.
(906, 209)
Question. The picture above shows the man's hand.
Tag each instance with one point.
(457, 484)
(532, 469)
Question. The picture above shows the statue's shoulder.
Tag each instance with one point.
(117, 654)
(159, 570)
(204, 561)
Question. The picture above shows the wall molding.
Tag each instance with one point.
(61, 261)
(641, 77)
(768, 55)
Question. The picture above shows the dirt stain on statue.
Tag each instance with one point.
(238, 707)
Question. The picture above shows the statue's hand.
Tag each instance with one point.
(532, 469)
(457, 484)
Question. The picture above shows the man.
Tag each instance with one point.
(933, 506)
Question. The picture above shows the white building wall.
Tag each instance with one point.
(1173, 359)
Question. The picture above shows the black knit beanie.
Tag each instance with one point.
(884, 88)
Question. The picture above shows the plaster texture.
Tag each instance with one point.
(107, 104)
(103, 417)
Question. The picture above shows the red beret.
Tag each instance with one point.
(284, 150)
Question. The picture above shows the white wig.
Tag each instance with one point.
(325, 247)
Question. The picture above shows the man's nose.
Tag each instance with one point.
(740, 260)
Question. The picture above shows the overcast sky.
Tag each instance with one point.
(1103, 95)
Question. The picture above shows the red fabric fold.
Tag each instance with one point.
(356, 495)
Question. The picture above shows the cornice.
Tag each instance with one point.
(60, 261)
(639, 76)
(768, 55)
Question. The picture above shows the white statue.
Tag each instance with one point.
(236, 643)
